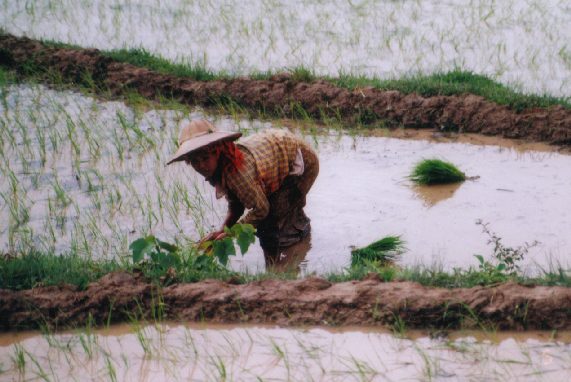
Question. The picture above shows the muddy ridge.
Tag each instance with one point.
(312, 301)
(283, 95)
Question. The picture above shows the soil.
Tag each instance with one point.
(282, 95)
(313, 301)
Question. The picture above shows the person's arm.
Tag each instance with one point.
(244, 191)
(252, 197)
(235, 210)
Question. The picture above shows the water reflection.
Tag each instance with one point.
(431, 195)
(198, 352)
(292, 259)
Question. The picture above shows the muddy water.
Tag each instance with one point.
(88, 176)
(363, 194)
(518, 43)
(197, 353)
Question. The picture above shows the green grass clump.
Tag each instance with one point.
(142, 58)
(436, 171)
(35, 269)
(382, 252)
(455, 82)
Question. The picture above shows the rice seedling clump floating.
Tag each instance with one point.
(436, 171)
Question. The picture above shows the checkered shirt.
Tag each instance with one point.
(268, 159)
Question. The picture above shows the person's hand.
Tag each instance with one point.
(215, 235)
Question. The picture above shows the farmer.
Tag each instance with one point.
(268, 173)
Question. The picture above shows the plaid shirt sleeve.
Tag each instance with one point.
(244, 186)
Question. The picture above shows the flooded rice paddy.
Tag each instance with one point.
(519, 43)
(87, 176)
(166, 352)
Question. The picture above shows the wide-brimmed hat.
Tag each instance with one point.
(197, 134)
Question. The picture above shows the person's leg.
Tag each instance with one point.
(268, 235)
(287, 223)
(289, 201)
(290, 258)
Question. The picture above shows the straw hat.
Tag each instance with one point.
(197, 134)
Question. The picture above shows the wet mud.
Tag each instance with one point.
(312, 301)
(283, 95)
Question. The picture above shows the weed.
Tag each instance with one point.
(507, 258)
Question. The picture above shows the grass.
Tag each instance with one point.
(142, 58)
(35, 269)
(455, 82)
(436, 171)
(44, 269)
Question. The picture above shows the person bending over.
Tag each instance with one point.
(268, 173)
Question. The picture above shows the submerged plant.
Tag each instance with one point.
(383, 252)
(436, 171)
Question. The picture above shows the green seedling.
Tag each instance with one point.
(398, 326)
(19, 358)
(436, 171)
(382, 252)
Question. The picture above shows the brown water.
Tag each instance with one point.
(363, 194)
(197, 352)
(100, 182)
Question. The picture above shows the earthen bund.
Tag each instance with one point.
(313, 301)
(283, 95)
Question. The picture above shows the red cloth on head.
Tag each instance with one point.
(233, 157)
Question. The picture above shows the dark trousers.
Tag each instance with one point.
(287, 223)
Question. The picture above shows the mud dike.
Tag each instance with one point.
(282, 95)
(313, 301)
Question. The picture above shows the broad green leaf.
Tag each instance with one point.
(220, 251)
(167, 246)
(230, 250)
(244, 240)
(140, 247)
(224, 248)
(480, 258)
